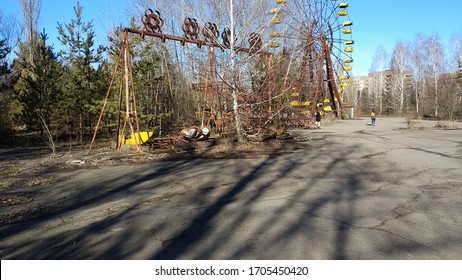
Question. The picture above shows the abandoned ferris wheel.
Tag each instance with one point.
(319, 33)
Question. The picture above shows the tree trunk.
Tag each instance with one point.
(240, 132)
(81, 123)
(436, 96)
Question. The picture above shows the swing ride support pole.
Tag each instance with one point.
(134, 110)
(127, 89)
(129, 93)
(272, 86)
(105, 102)
(318, 88)
(334, 94)
(119, 108)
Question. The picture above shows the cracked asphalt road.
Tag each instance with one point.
(355, 192)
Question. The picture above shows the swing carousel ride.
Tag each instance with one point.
(314, 36)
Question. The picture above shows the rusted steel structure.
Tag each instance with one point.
(127, 99)
(207, 36)
(319, 34)
(313, 31)
(192, 34)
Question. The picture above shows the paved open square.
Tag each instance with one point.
(354, 191)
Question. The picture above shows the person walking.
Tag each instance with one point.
(372, 118)
(318, 118)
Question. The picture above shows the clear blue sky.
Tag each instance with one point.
(375, 22)
(384, 22)
(104, 13)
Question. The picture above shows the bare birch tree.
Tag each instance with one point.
(9, 34)
(379, 65)
(419, 53)
(449, 99)
(456, 42)
(400, 65)
(31, 10)
(435, 57)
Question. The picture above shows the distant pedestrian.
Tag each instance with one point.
(372, 118)
(318, 118)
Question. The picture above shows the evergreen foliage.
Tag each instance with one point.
(81, 78)
(6, 98)
(37, 88)
(4, 49)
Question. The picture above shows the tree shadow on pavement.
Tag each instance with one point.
(299, 205)
(213, 228)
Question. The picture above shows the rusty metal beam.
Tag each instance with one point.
(197, 42)
(331, 79)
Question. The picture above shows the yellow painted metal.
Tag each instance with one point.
(274, 45)
(275, 10)
(349, 50)
(274, 34)
(346, 31)
(349, 42)
(276, 20)
(294, 103)
(343, 13)
(305, 103)
(344, 85)
(349, 60)
(327, 109)
(343, 78)
(343, 5)
(137, 138)
(281, 1)
(347, 23)
(295, 94)
(326, 100)
(347, 68)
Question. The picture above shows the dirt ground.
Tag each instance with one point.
(25, 169)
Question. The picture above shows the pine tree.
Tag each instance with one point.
(81, 78)
(4, 51)
(151, 95)
(37, 87)
(5, 89)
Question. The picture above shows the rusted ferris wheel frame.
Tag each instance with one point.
(315, 30)
(331, 80)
